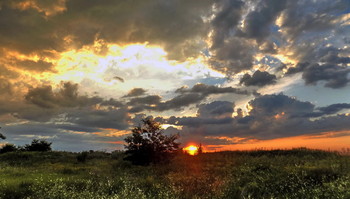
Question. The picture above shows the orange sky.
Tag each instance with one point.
(323, 142)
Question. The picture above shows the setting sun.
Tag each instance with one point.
(192, 150)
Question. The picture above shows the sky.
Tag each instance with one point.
(229, 74)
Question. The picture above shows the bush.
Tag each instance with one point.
(81, 157)
(148, 144)
(8, 148)
(38, 145)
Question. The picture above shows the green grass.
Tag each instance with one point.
(298, 173)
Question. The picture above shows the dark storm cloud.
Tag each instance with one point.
(298, 68)
(257, 24)
(176, 25)
(302, 17)
(271, 116)
(225, 20)
(147, 100)
(270, 105)
(115, 118)
(27, 31)
(33, 65)
(258, 79)
(211, 89)
(154, 103)
(232, 50)
(311, 53)
(44, 103)
(215, 109)
(333, 56)
(112, 102)
(180, 101)
(328, 110)
(268, 47)
(180, 27)
(335, 76)
(334, 108)
(66, 96)
(235, 55)
(186, 97)
(312, 30)
(135, 92)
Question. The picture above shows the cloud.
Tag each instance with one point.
(112, 102)
(45, 103)
(57, 25)
(66, 96)
(147, 100)
(186, 97)
(258, 79)
(329, 110)
(7, 74)
(5, 87)
(180, 101)
(33, 65)
(257, 24)
(135, 92)
(233, 56)
(335, 76)
(270, 117)
(231, 37)
(295, 21)
(226, 19)
(118, 78)
(211, 89)
(113, 118)
(334, 108)
(216, 109)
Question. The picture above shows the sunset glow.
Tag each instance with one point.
(191, 150)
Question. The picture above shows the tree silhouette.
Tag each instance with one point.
(148, 144)
(200, 149)
(8, 148)
(38, 145)
(2, 136)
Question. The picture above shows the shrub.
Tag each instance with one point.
(148, 144)
(8, 148)
(38, 145)
(81, 157)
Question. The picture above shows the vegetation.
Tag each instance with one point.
(8, 148)
(38, 145)
(148, 144)
(2, 136)
(298, 173)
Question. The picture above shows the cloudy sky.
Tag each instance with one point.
(230, 74)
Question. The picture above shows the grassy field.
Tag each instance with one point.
(298, 173)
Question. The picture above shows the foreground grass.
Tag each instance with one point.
(298, 173)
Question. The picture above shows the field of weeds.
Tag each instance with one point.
(297, 173)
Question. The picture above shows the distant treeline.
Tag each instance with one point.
(36, 145)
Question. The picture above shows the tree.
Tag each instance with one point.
(8, 148)
(2, 136)
(38, 145)
(200, 149)
(148, 144)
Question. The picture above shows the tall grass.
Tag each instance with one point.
(298, 173)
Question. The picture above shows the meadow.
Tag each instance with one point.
(296, 173)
